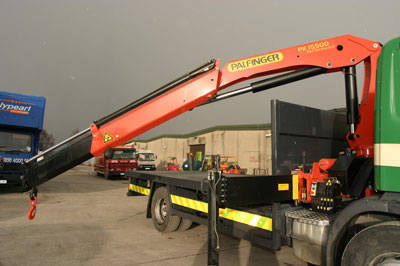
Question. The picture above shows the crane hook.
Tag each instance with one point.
(33, 201)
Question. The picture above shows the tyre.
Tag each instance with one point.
(373, 246)
(161, 215)
(185, 224)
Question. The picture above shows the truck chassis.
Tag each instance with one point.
(271, 221)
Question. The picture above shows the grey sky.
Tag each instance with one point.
(88, 58)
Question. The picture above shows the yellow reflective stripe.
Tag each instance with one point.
(295, 187)
(250, 219)
(247, 218)
(141, 190)
(254, 220)
(189, 203)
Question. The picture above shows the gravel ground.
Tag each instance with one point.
(83, 219)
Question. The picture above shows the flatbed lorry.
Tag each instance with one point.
(343, 210)
(21, 121)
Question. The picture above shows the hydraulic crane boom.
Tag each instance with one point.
(202, 86)
(82, 146)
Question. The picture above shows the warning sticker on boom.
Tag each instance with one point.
(107, 137)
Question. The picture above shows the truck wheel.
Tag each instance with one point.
(161, 215)
(373, 246)
(185, 224)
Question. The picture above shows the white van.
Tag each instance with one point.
(146, 160)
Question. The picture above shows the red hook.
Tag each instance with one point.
(33, 201)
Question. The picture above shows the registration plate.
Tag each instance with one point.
(3, 181)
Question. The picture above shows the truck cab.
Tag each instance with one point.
(121, 159)
(15, 148)
(21, 121)
(146, 160)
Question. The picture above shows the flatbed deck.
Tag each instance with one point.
(186, 179)
(234, 190)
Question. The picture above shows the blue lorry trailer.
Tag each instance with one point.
(21, 121)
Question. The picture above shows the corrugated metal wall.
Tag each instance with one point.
(250, 148)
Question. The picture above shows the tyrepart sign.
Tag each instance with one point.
(15, 107)
(21, 110)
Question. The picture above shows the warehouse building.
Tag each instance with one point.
(247, 145)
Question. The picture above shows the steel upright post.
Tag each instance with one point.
(213, 241)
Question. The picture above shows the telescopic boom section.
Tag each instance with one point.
(153, 112)
(176, 97)
(202, 85)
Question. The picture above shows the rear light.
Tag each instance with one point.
(114, 161)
